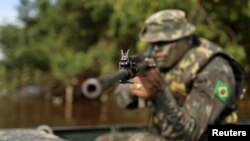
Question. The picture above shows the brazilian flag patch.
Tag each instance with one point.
(222, 91)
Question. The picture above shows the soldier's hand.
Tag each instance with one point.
(148, 84)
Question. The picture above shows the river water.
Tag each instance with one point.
(29, 111)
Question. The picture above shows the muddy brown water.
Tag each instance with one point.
(31, 111)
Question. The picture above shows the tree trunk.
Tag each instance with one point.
(69, 101)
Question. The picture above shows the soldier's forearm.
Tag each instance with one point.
(166, 104)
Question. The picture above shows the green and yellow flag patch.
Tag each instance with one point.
(222, 91)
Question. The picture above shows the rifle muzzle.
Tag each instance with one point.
(92, 88)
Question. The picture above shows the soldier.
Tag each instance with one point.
(195, 83)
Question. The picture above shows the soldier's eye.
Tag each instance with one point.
(160, 44)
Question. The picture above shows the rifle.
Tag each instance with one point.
(129, 67)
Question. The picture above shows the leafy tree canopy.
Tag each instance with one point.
(63, 38)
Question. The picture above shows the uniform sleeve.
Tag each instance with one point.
(124, 98)
(211, 90)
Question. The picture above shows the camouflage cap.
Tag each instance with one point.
(166, 25)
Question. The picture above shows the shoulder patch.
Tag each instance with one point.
(222, 91)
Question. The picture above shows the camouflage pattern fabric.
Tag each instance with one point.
(123, 97)
(166, 25)
(189, 103)
(180, 77)
(201, 106)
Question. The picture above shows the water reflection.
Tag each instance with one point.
(21, 111)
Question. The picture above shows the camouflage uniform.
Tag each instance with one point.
(202, 89)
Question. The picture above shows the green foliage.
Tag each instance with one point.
(61, 39)
(102, 57)
(237, 51)
(66, 63)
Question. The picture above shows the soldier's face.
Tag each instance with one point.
(167, 54)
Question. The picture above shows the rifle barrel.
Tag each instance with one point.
(93, 87)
